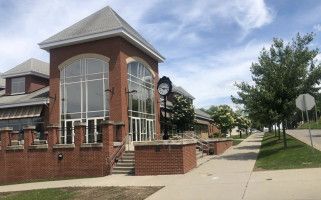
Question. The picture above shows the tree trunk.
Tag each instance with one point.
(285, 145)
(240, 134)
(275, 130)
(279, 131)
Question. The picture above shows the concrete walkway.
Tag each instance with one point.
(304, 136)
(219, 177)
(228, 176)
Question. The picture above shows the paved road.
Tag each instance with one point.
(228, 176)
(303, 135)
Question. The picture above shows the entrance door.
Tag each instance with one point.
(150, 129)
(94, 131)
(142, 129)
(68, 133)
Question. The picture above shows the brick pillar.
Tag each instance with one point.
(120, 131)
(108, 141)
(53, 135)
(80, 130)
(5, 140)
(14, 135)
(28, 136)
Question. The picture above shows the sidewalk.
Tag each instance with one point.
(220, 177)
(304, 136)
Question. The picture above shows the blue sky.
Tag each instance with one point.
(208, 44)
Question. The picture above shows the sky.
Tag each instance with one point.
(208, 44)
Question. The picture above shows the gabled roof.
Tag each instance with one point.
(2, 82)
(104, 23)
(38, 97)
(29, 67)
(182, 91)
(202, 114)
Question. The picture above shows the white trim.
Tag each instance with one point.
(25, 104)
(16, 74)
(107, 34)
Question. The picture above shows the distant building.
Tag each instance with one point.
(204, 123)
(2, 83)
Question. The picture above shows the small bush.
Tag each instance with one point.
(176, 137)
(217, 134)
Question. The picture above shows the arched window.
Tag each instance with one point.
(141, 107)
(83, 97)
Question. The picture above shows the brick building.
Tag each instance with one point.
(204, 125)
(102, 73)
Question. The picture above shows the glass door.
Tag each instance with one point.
(68, 132)
(94, 131)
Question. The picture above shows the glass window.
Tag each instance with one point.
(83, 84)
(73, 94)
(141, 104)
(18, 85)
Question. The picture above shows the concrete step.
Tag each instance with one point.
(122, 164)
(15, 142)
(125, 172)
(130, 168)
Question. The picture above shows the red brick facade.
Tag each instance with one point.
(219, 146)
(118, 50)
(32, 83)
(42, 163)
(164, 159)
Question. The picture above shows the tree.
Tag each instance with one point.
(211, 110)
(243, 124)
(223, 118)
(281, 74)
(183, 114)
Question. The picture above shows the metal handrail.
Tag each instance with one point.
(200, 141)
(111, 159)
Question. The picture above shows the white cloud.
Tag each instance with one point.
(317, 27)
(210, 78)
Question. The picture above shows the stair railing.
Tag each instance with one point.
(111, 159)
(201, 143)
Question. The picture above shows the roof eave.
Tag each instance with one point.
(40, 102)
(107, 34)
(16, 74)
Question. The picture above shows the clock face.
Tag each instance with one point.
(163, 89)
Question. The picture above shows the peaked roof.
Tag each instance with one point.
(182, 91)
(38, 97)
(2, 82)
(104, 23)
(29, 67)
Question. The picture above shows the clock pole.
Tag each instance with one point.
(164, 87)
(165, 137)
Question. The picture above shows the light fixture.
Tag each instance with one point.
(132, 91)
(52, 97)
(110, 90)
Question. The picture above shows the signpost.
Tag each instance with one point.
(306, 102)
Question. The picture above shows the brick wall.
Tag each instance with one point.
(164, 159)
(118, 50)
(35, 164)
(34, 83)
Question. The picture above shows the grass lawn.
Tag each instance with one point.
(236, 142)
(313, 125)
(273, 156)
(83, 193)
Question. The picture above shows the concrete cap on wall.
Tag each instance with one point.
(120, 123)
(108, 122)
(53, 126)
(6, 129)
(29, 127)
(15, 132)
(79, 123)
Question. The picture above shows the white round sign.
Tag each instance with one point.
(309, 102)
